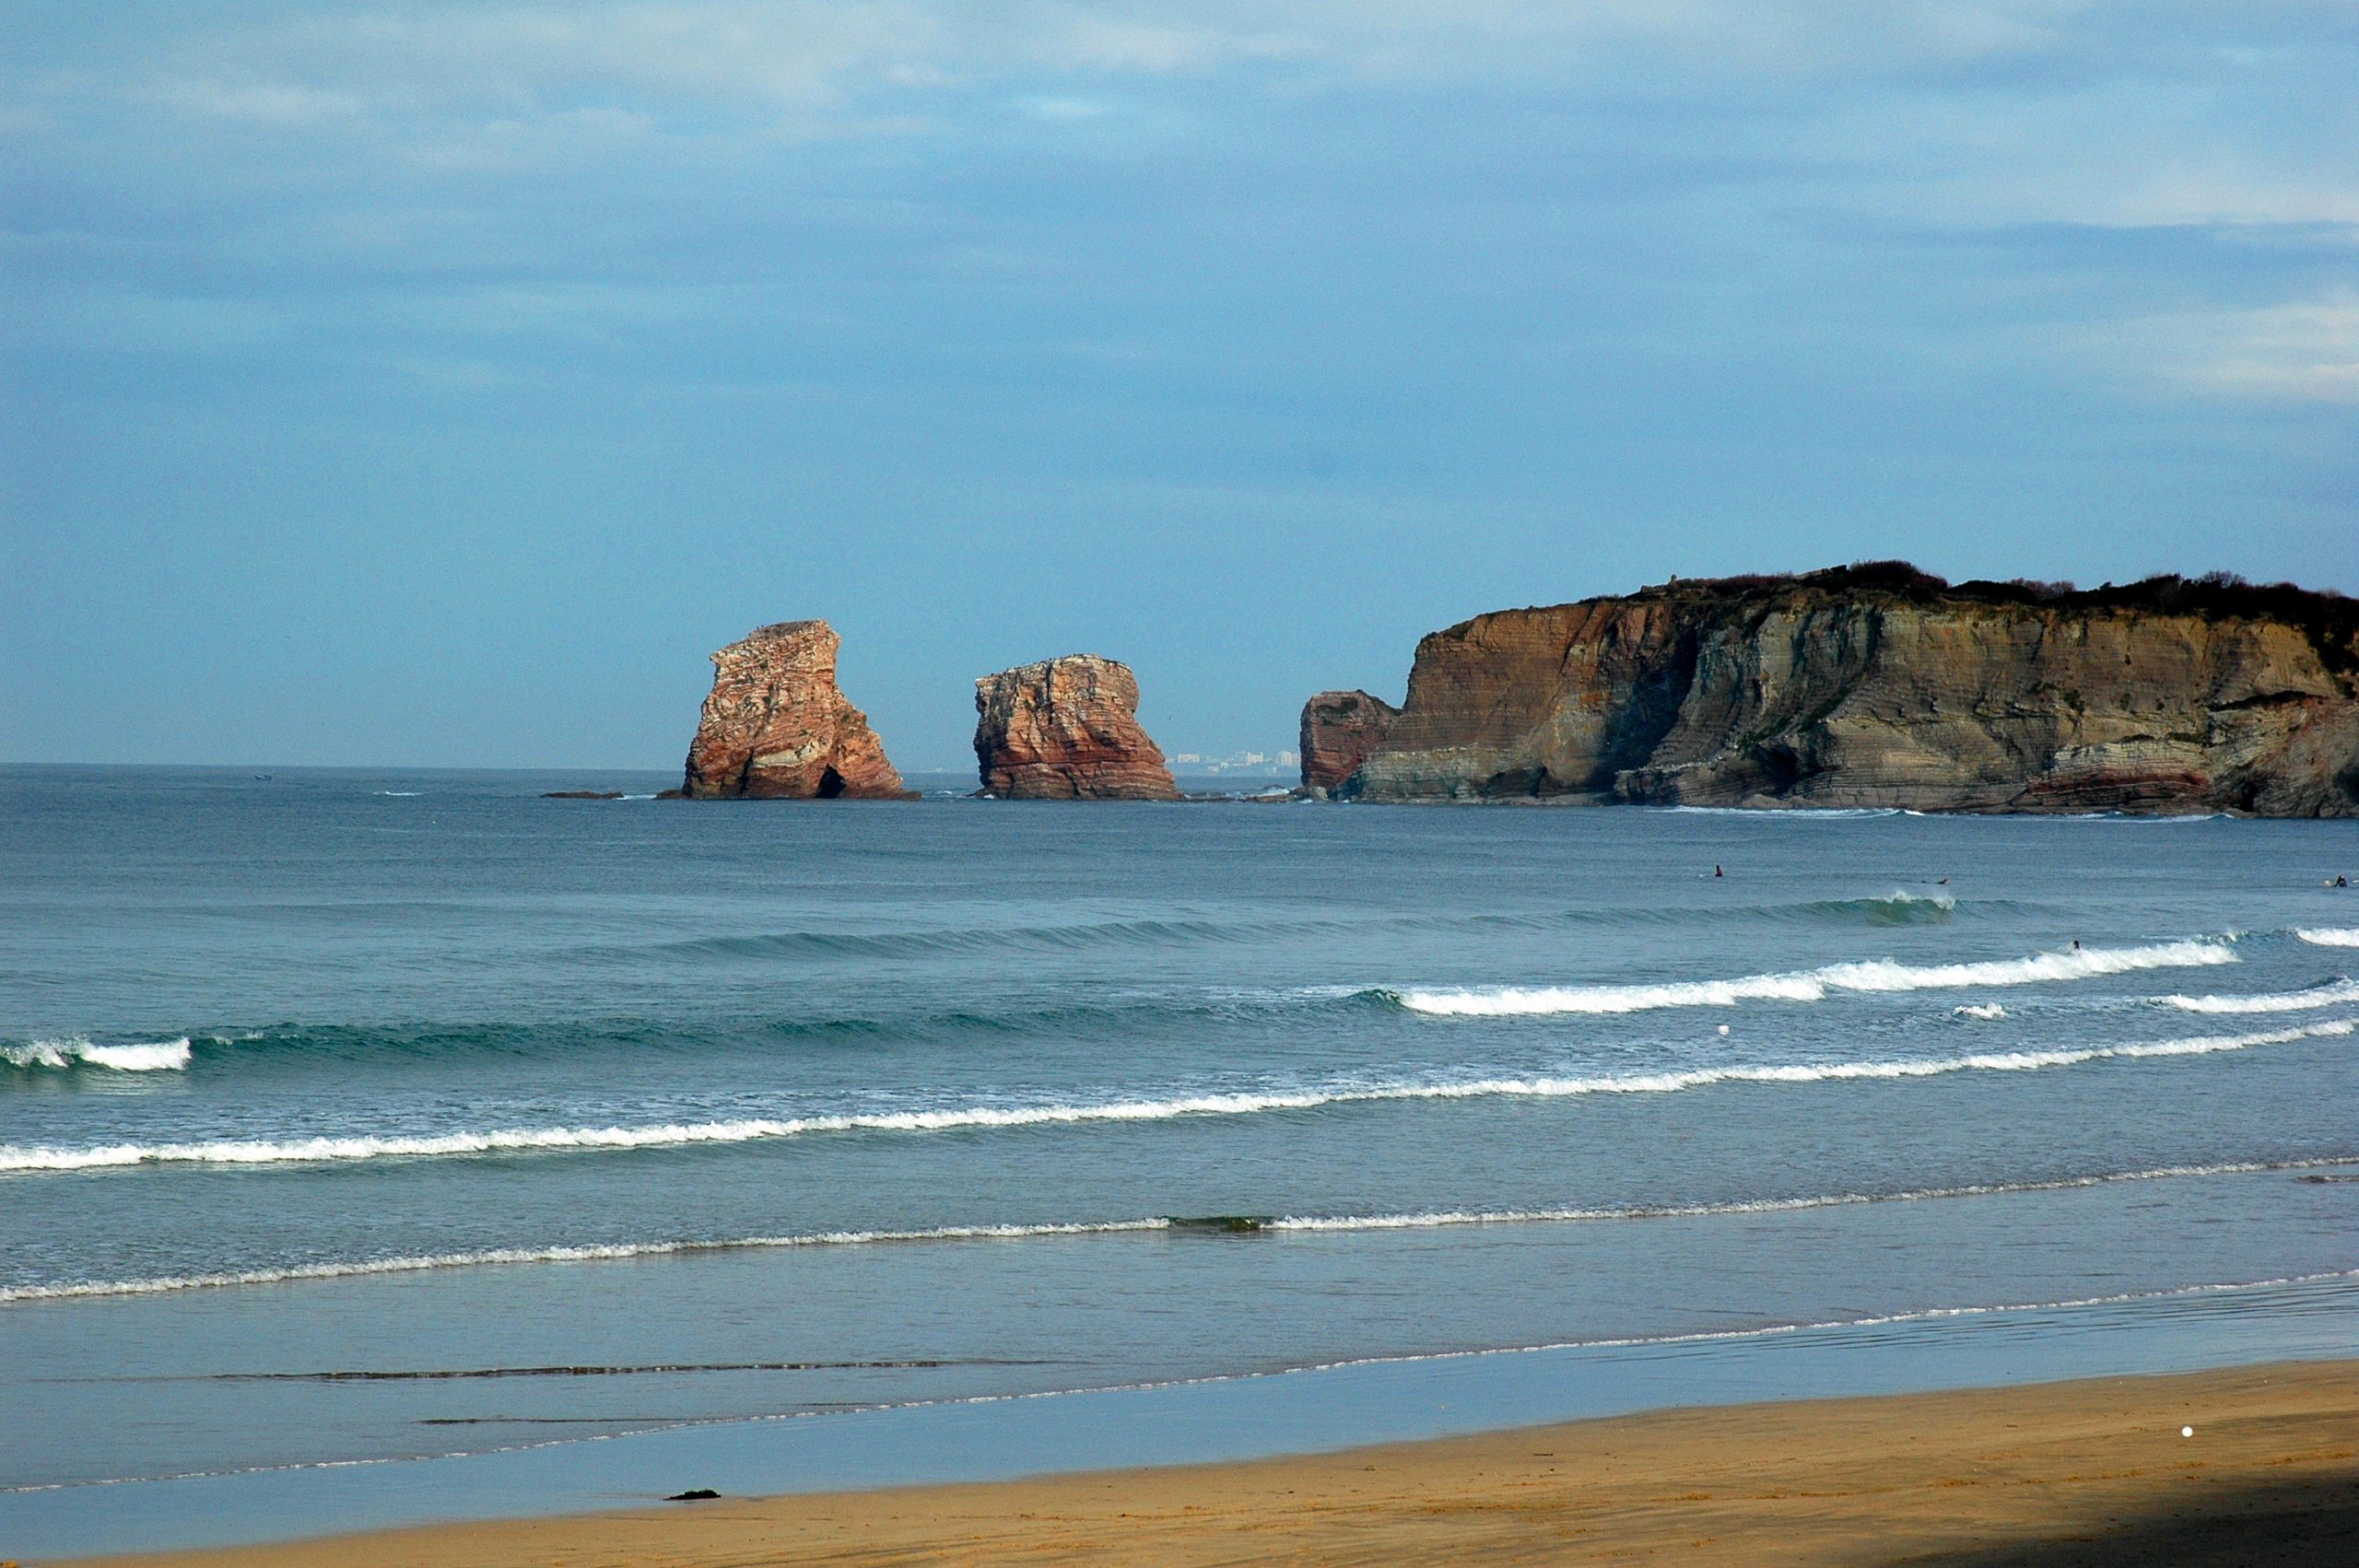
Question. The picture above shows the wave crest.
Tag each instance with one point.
(1874, 976)
(2329, 936)
(154, 1055)
(1230, 1225)
(2329, 995)
(36, 1158)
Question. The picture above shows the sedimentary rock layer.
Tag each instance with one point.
(1067, 729)
(1339, 730)
(776, 728)
(1883, 687)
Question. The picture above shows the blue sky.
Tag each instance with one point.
(405, 382)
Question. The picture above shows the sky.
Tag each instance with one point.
(412, 383)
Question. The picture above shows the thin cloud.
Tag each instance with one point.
(2306, 352)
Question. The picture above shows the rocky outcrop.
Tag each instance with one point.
(1883, 686)
(776, 728)
(1066, 729)
(1339, 730)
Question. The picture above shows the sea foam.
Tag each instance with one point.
(1429, 1219)
(154, 1055)
(2329, 936)
(1880, 975)
(595, 1253)
(2280, 1001)
(256, 1151)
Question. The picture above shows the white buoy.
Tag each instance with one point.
(1724, 1028)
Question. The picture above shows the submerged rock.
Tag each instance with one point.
(1067, 729)
(1339, 730)
(776, 728)
(1883, 687)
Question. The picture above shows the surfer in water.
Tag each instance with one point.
(1716, 872)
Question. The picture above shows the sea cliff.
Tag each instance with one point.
(1881, 686)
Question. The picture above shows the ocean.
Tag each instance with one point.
(352, 1115)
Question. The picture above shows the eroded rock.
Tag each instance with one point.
(1067, 729)
(1886, 687)
(775, 727)
(1339, 730)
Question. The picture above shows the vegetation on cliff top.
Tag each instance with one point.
(2331, 620)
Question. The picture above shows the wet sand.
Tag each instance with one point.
(2067, 1473)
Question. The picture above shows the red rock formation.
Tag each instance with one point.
(1067, 729)
(1883, 687)
(1339, 730)
(776, 728)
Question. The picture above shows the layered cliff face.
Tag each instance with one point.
(1339, 730)
(1841, 689)
(776, 728)
(1067, 729)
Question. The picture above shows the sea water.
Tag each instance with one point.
(359, 1116)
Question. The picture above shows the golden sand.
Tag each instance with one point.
(2083, 1472)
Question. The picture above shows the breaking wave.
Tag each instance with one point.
(1898, 908)
(323, 1149)
(1225, 1224)
(1812, 985)
(2329, 936)
(2328, 995)
(1985, 1010)
(154, 1055)
(419, 1263)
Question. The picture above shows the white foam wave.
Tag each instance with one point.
(2329, 936)
(1987, 1010)
(2281, 1001)
(603, 1253)
(235, 1151)
(1882, 974)
(155, 1056)
(1432, 1220)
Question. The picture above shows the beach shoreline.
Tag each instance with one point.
(2255, 1463)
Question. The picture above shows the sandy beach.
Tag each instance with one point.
(2079, 1472)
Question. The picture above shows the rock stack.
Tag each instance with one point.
(1339, 730)
(776, 728)
(1066, 729)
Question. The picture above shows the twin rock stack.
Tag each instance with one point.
(776, 727)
